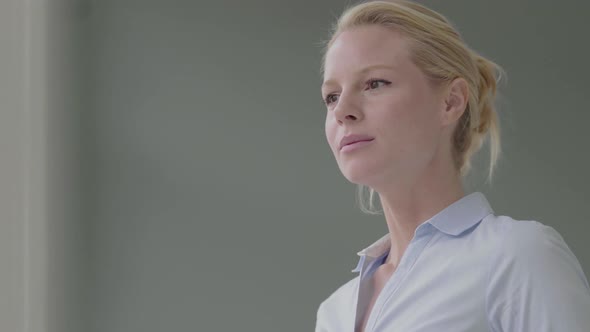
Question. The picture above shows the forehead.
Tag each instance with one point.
(363, 46)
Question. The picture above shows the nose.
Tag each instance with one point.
(347, 109)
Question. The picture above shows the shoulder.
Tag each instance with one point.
(534, 279)
(339, 302)
(528, 243)
(510, 228)
(342, 294)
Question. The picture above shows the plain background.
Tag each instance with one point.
(192, 186)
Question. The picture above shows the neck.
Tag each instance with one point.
(406, 209)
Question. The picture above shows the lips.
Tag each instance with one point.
(349, 139)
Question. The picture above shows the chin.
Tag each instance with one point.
(358, 176)
(364, 172)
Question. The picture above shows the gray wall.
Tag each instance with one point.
(13, 147)
(211, 199)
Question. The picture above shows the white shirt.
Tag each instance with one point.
(467, 269)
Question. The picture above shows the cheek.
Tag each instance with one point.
(398, 116)
(418, 108)
(410, 120)
(330, 132)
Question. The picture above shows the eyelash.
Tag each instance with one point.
(369, 82)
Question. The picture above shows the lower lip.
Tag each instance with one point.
(355, 146)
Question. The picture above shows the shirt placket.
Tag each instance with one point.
(422, 237)
(362, 302)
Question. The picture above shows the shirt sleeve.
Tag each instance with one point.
(536, 283)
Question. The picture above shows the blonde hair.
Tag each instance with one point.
(440, 52)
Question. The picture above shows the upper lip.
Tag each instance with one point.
(353, 138)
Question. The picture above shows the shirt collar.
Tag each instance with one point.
(452, 220)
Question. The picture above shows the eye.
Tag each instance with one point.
(376, 83)
(330, 98)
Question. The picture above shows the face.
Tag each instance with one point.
(371, 87)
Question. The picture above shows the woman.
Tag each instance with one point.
(408, 104)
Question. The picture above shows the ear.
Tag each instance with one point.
(456, 98)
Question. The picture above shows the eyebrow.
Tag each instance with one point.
(362, 71)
